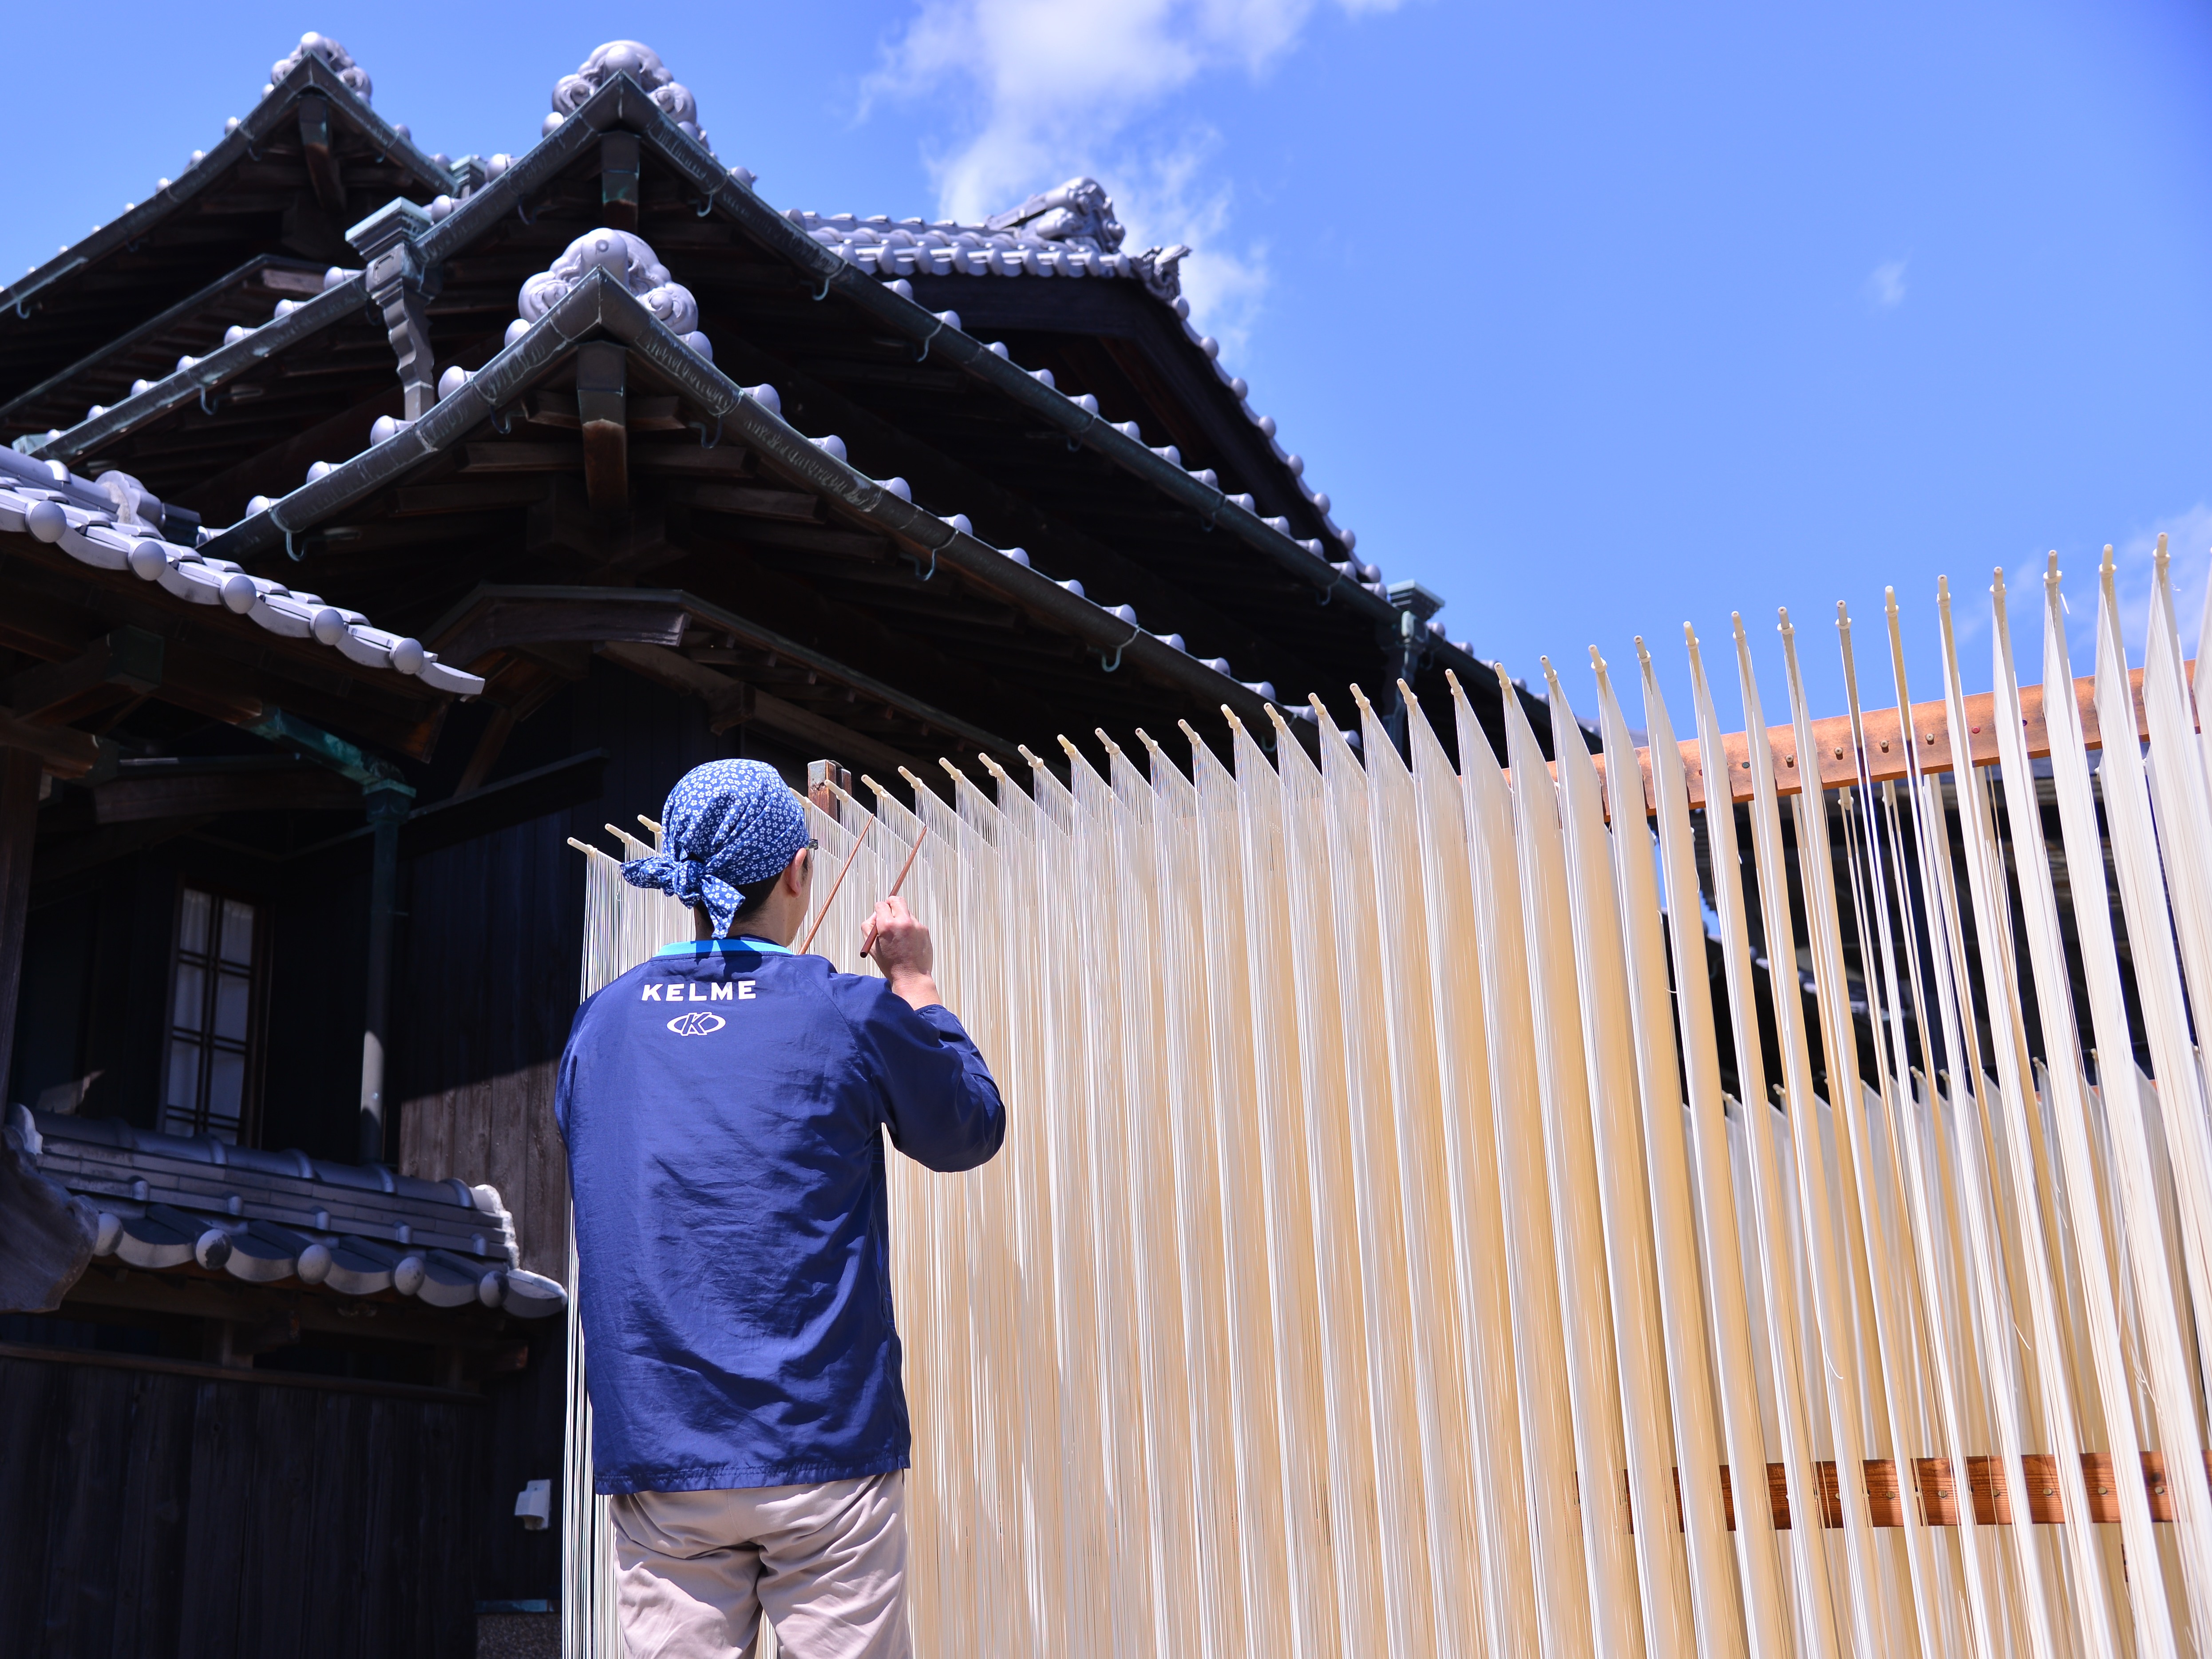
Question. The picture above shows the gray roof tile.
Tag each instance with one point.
(165, 1202)
(112, 524)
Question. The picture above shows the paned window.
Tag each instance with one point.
(213, 1019)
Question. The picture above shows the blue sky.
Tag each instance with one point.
(1594, 318)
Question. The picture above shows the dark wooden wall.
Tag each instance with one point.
(145, 1513)
(96, 952)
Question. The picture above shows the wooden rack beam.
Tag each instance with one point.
(1987, 1482)
(1887, 743)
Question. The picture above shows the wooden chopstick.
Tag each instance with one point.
(822, 915)
(869, 943)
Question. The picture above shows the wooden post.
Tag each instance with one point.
(618, 180)
(322, 165)
(387, 809)
(602, 370)
(821, 774)
(19, 829)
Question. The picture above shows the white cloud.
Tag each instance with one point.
(1885, 285)
(1051, 89)
(2189, 547)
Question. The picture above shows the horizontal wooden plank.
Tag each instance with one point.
(1988, 1482)
(62, 750)
(721, 460)
(517, 455)
(1888, 742)
(132, 1362)
(191, 1292)
(498, 623)
(749, 501)
(468, 494)
(131, 801)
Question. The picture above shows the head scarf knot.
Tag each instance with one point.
(727, 824)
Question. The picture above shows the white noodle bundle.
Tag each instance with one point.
(1375, 1263)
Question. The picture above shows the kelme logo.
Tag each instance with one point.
(697, 1025)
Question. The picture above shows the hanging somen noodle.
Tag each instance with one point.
(1438, 1217)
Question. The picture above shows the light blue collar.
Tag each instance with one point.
(743, 945)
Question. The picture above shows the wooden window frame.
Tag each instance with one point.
(256, 1044)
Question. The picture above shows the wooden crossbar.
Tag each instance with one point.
(1988, 1482)
(1887, 743)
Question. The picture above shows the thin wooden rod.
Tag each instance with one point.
(595, 851)
(822, 914)
(869, 943)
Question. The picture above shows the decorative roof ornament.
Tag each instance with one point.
(1069, 232)
(1081, 214)
(643, 64)
(1079, 211)
(339, 60)
(626, 257)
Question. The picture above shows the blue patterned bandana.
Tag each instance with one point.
(726, 823)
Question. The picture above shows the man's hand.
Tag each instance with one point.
(901, 947)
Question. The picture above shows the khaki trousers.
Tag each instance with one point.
(827, 1563)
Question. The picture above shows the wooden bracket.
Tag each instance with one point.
(619, 185)
(602, 405)
(61, 750)
(322, 165)
(122, 664)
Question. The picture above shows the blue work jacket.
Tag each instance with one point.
(725, 1106)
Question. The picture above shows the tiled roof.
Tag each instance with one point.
(305, 69)
(599, 296)
(243, 347)
(110, 523)
(165, 1202)
(1069, 232)
(340, 61)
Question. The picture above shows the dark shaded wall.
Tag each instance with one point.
(153, 1514)
(96, 981)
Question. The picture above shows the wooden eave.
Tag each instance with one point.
(883, 619)
(250, 417)
(192, 327)
(216, 664)
(970, 432)
(254, 192)
(934, 406)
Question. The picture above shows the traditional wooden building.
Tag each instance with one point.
(374, 522)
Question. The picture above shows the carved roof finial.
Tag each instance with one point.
(340, 61)
(1081, 210)
(643, 64)
(626, 257)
